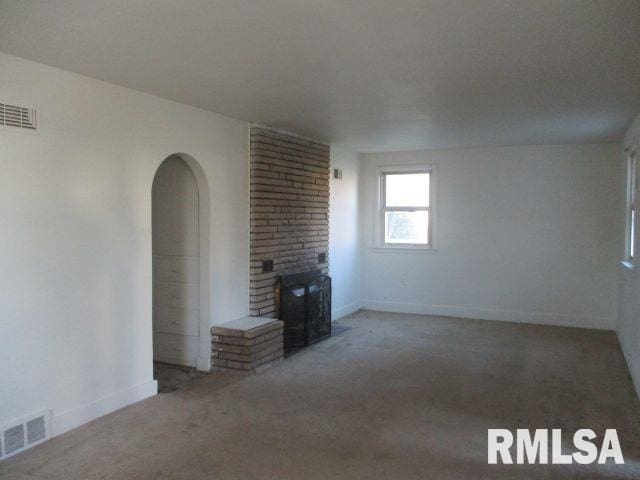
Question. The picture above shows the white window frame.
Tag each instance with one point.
(631, 243)
(380, 243)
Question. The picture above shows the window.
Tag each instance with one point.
(406, 208)
(631, 238)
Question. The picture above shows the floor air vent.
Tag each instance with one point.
(16, 116)
(23, 434)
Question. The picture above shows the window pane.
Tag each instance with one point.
(633, 180)
(407, 189)
(406, 227)
(632, 234)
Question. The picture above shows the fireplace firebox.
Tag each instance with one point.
(304, 305)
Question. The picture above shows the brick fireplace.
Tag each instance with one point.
(289, 211)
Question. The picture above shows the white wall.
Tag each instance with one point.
(523, 234)
(75, 209)
(344, 234)
(628, 326)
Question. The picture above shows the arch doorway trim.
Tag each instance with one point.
(198, 343)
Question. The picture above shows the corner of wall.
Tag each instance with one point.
(345, 232)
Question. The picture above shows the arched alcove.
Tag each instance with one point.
(180, 248)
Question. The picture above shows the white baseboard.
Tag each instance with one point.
(345, 310)
(65, 421)
(558, 319)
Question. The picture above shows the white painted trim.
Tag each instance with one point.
(345, 310)
(516, 316)
(378, 221)
(65, 421)
(203, 363)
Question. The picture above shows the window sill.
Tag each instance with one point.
(628, 264)
(403, 249)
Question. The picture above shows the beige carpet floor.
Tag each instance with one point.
(390, 396)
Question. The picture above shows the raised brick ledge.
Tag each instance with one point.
(246, 327)
(247, 344)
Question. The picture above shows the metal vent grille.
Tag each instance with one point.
(14, 439)
(16, 116)
(25, 433)
(35, 430)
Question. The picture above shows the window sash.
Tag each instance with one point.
(634, 181)
(633, 226)
(631, 234)
(406, 209)
(385, 174)
(384, 208)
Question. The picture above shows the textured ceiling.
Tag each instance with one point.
(370, 75)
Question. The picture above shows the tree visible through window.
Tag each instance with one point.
(406, 208)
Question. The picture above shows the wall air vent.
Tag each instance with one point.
(16, 116)
(36, 430)
(14, 439)
(23, 434)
